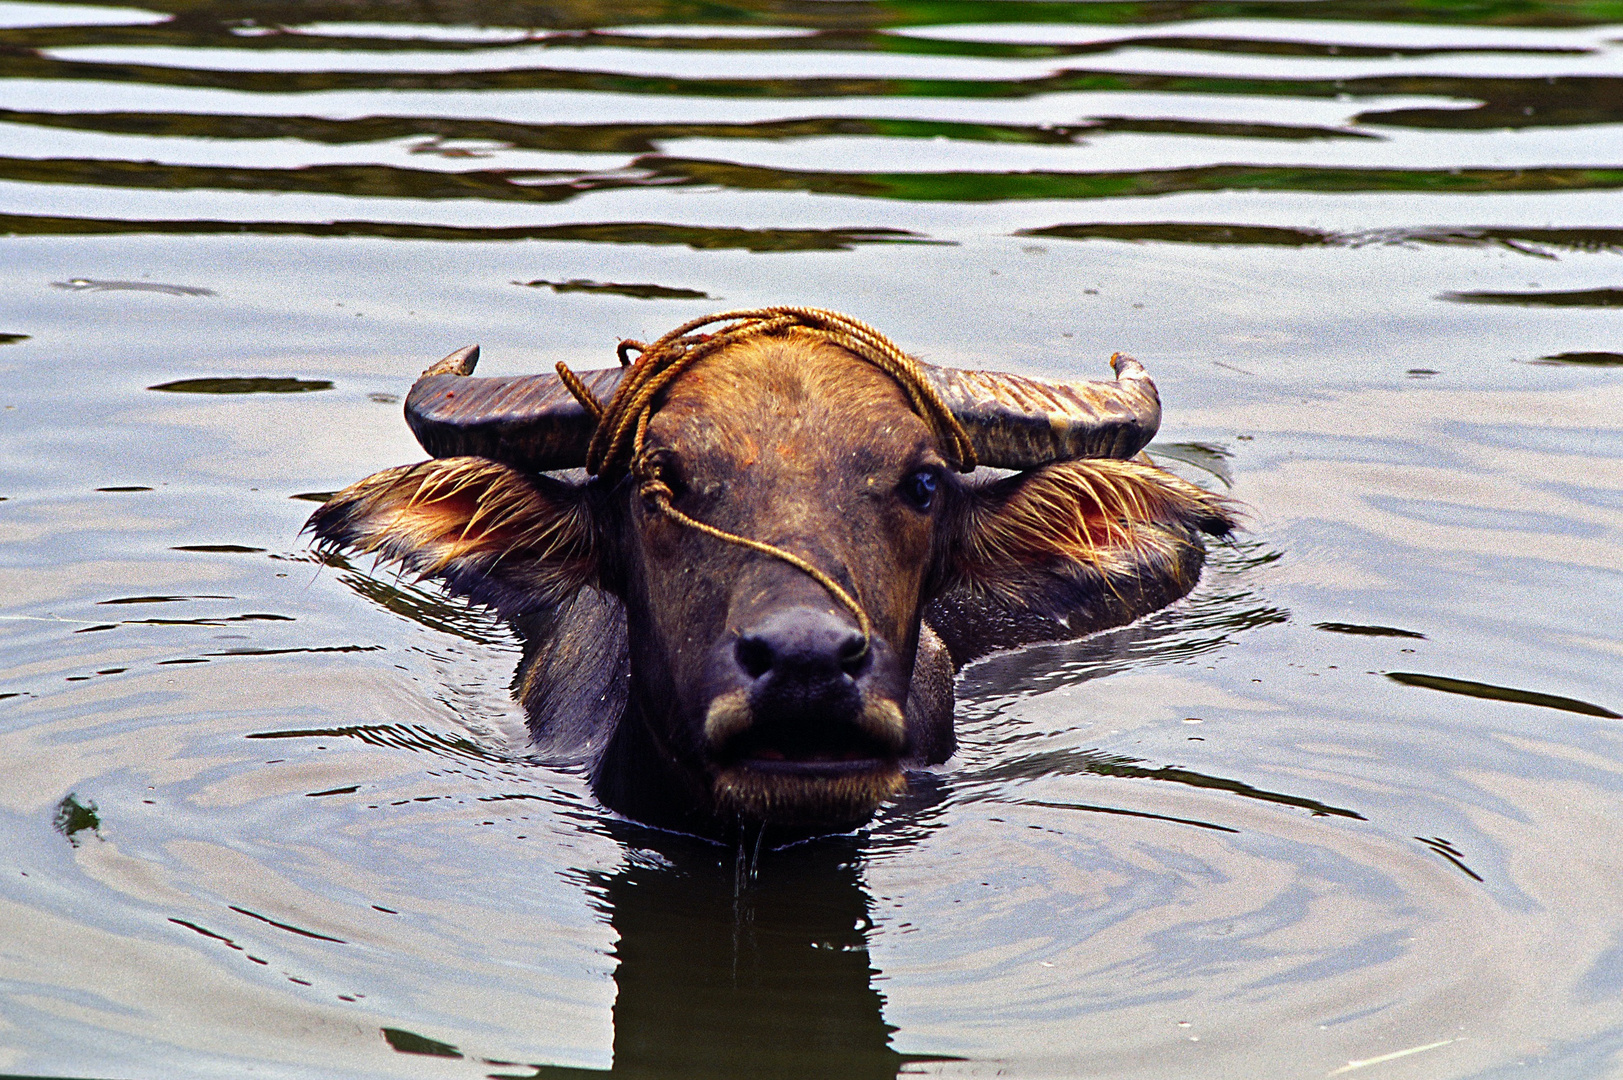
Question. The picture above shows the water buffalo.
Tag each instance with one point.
(749, 607)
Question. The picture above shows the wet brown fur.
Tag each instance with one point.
(458, 518)
(1117, 522)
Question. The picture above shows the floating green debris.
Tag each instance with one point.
(124, 488)
(639, 292)
(1500, 693)
(1362, 630)
(243, 386)
(74, 816)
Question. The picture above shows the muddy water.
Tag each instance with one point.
(1355, 807)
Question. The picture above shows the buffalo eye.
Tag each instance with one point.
(664, 466)
(919, 489)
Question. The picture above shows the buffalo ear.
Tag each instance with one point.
(511, 541)
(1073, 547)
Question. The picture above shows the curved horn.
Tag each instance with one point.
(1017, 422)
(529, 421)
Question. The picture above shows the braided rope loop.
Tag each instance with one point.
(618, 440)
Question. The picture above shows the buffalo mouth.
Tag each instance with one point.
(805, 772)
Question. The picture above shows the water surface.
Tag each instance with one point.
(1350, 808)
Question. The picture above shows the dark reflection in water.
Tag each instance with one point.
(93, 285)
(1531, 241)
(843, 32)
(1505, 102)
(1586, 359)
(397, 736)
(1365, 630)
(635, 138)
(1210, 458)
(1224, 606)
(698, 237)
(432, 609)
(614, 288)
(228, 385)
(74, 816)
(1447, 850)
(1069, 762)
(747, 963)
(1491, 692)
(1575, 298)
(653, 170)
(759, 969)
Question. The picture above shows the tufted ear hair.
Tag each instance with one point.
(512, 541)
(1071, 548)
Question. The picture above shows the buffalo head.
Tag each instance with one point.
(754, 617)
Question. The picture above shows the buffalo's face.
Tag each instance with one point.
(777, 697)
(754, 697)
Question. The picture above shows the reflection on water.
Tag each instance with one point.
(731, 964)
(1354, 800)
(1531, 241)
(90, 284)
(1581, 298)
(765, 977)
(611, 288)
(243, 386)
(1500, 693)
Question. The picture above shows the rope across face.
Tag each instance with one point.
(619, 439)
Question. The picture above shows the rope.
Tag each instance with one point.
(622, 425)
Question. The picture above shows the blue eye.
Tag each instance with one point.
(919, 489)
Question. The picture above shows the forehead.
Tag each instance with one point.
(788, 390)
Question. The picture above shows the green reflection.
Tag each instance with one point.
(74, 815)
(1587, 359)
(553, 186)
(1500, 693)
(243, 386)
(630, 138)
(1505, 102)
(211, 15)
(995, 187)
(848, 31)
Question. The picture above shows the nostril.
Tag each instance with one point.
(855, 656)
(754, 655)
